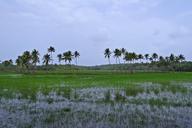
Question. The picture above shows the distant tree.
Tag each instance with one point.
(181, 58)
(107, 54)
(140, 57)
(134, 57)
(19, 61)
(26, 59)
(151, 59)
(46, 59)
(172, 57)
(155, 56)
(68, 56)
(147, 57)
(7, 63)
(128, 57)
(51, 50)
(59, 58)
(167, 59)
(161, 58)
(76, 55)
(117, 54)
(35, 57)
(123, 51)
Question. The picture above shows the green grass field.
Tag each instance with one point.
(29, 84)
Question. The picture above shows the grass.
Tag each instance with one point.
(29, 84)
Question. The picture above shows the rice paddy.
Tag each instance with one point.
(96, 99)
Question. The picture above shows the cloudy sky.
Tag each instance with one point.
(90, 26)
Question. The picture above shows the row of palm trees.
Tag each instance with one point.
(132, 57)
(33, 58)
(28, 58)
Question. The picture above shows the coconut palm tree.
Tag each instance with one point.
(35, 57)
(181, 58)
(68, 56)
(134, 56)
(172, 57)
(7, 62)
(59, 58)
(161, 58)
(123, 51)
(147, 57)
(140, 57)
(107, 54)
(46, 59)
(117, 55)
(76, 55)
(128, 57)
(155, 56)
(19, 62)
(26, 59)
(51, 50)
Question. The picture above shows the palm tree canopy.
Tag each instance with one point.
(46, 59)
(155, 56)
(59, 57)
(107, 53)
(51, 49)
(140, 56)
(161, 58)
(146, 56)
(67, 56)
(172, 57)
(128, 56)
(35, 56)
(117, 53)
(181, 57)
(123, 51)
(76, 54)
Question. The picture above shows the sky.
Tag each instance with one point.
(90, 26)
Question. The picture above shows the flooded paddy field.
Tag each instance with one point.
(124, 101)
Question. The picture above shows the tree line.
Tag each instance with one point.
(132, 57)
(31, 59)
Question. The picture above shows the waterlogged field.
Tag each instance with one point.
(96, 99)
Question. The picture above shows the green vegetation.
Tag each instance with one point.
(29, 84)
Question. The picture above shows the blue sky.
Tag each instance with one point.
(90, 26)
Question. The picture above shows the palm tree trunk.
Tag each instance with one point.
(76, 61)
(116, 60)
(109, 60)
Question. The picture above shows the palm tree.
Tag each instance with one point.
(151, 59)
(128, 57)
(140, 57)
(76, 55)
(181, 58)
(46, 59)
(59, 58)
(123, 51)
(172, 57)
(107, 54)
(26, 59)
(8, 62)
(19, 62)
(35, 57)
(147, 57)
(134, 56)
(117, 54)
(51, 50)
(155, 56)
(161, 58)
(67, 56)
